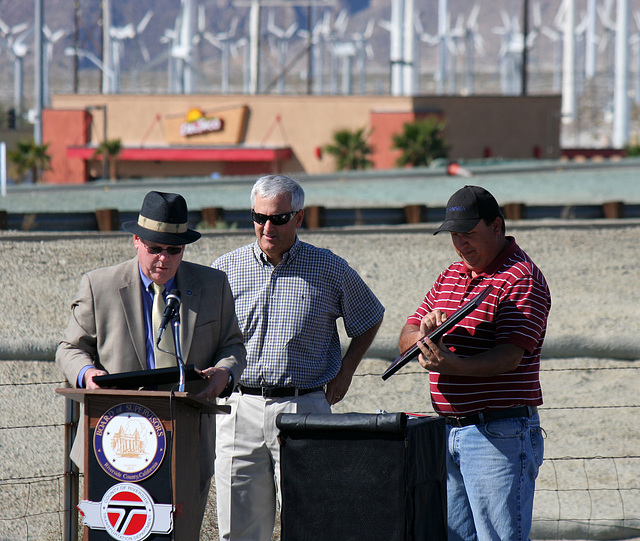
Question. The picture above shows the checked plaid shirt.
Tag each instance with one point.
(288, 313)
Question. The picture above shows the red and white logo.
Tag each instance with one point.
(127, 513)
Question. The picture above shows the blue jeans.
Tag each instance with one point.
(491, 474)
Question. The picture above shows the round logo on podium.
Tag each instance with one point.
(127, 512)
(129, 442)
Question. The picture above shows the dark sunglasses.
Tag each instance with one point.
(157, 250)
(275, 219)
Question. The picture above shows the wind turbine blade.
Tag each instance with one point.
(145, 21)
(4, 28)
(537, 15)
(144, 51)
(472, 21)
(368, 31)
(234, 26)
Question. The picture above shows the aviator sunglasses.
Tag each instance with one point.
(156, 250)
(275, 219)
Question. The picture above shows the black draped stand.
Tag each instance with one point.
(363, 476)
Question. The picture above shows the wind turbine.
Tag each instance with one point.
(82, 53)
(15, 39)
(445, 39)
(364, 51)
(634, 41)
(473, 43)
(243, 43)
(510, 53)
(51, 38)
(403, 51)
(320, 36)
(607, 42)
(554, 34)
(444, 44)
(222, 41)
(11, 34)
(534, 31)
(591, 40)
(455, 37)
(569, 96)
(335, 37)
(182, 49)
(396, 45)
(345, 51)
(581, 38)
(280, 38)
(621, 86)
(169, 37)
(119, 35)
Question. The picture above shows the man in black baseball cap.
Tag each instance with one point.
(467, 207)
(484, 372)
(112, 327)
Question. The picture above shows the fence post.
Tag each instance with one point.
(315, 216)
(108, 219)
(71, 475)
(414, 214)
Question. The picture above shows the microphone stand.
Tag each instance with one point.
(175, 323)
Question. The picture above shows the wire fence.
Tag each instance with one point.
(588, 487)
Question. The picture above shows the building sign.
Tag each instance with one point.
(202, 127)
(129, 442)
(128, 513)
(197, 123)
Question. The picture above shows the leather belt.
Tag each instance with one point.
(276, 392)
(491, 415)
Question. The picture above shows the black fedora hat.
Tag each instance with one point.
(163, 219)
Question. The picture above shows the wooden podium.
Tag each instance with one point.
(141, 463)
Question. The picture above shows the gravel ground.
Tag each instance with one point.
(590, 365)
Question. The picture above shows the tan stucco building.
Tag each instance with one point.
(187, 135)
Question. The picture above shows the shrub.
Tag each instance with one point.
(421, 142)
(351, 149)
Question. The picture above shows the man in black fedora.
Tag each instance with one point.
(111, 329)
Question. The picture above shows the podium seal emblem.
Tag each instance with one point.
(128, 513)
(129, 442)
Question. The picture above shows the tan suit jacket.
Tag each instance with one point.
(107, 330)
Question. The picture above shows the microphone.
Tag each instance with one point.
(170, 311)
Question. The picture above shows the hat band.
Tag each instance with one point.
(162, 227)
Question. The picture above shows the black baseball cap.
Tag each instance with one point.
(467, 207)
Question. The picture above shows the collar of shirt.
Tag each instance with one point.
(286, 257)
(498, 262)
(146, 283)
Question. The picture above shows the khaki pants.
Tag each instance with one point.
(247, 465)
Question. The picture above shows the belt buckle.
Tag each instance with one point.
(266, 392)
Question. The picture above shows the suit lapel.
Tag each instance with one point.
(131, 298)
(190, 294)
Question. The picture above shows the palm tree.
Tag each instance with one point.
(421, 142)
(350, 149)
(110, 149)
(28, 157)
